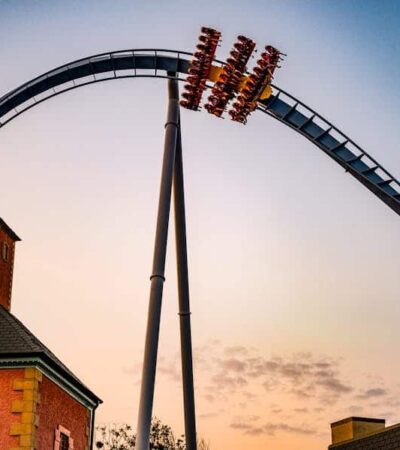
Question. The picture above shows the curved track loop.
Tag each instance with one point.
(168, 63)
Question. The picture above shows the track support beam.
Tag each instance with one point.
(184, 300)
(172, 175)
(157, 277)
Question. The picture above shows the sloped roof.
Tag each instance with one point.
(17, 341)
(8, 230)
(387, 439)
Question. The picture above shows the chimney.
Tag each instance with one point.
(7, 249)
(355, 427)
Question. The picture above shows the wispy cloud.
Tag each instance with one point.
(372, 393)
(209, 415)
(305, 376)
(303, 387)
(270, 428)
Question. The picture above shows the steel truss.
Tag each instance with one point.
(157, 63)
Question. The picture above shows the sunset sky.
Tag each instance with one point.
(293, 264)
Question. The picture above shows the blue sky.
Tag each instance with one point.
(288, 254)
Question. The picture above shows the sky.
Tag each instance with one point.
(293, 264)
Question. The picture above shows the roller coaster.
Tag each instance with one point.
(229, 82)
(161, 63)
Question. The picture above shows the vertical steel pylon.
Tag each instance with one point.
(184, 299)
(172, 173)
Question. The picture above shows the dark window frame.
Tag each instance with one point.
(5, 251)
(64, 441)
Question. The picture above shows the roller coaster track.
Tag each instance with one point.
(161, 63)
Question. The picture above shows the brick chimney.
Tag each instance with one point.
(7, 249)
(354, 428)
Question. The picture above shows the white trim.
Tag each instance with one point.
(57, 438)
(52, 375)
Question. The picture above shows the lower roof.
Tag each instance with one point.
(18, 344)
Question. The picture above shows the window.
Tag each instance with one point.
(64, 442)
(5, 251)
(63, 439)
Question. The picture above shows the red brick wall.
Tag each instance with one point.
(7, 396)
(59, 408)
(6, 270)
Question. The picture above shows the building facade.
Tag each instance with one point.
(7, 251)
(360, 433)
(43, 405)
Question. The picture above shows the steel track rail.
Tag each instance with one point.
(159, 63)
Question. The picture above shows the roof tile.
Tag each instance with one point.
(17, 341)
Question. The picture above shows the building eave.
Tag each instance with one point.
(41, 361)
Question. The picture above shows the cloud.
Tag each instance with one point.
(209, 397)
(372, 393)
(249, 395)
(240, 426)
(301, 410)
(236, 350)
(270, 428)
(208, 415)
(242, 373)
(331, 383)
(355, 409)
(303, 374)
(170, 370)
(233, 364)
(395, 402)
(223, 380)
(301, 385)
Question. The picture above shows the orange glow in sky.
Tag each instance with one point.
(293, 264)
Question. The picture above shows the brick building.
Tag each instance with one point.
(7, 249)
(43, 405)
(360, 433)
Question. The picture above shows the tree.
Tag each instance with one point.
(121, 437)
(203, 445)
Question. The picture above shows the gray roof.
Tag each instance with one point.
(17, 341)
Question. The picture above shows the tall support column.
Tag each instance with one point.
(157, 277)
(184, 303)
